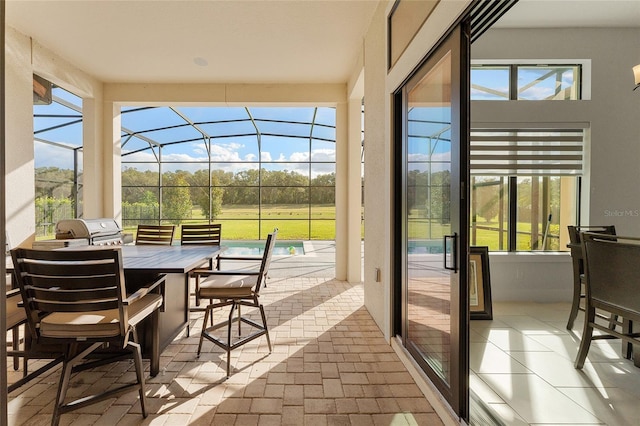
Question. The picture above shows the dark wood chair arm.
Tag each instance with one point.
(208, 272)
(141, 292)
(253, 258)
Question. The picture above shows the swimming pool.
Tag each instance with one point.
(255, 248)
(425, 246)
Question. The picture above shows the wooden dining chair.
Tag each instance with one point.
(78, 300)
(250, 262)
(612, 277)
(21, 345)
(235, 289)
(577, 260)
(155, 235)
(201, 234)
(15, 317)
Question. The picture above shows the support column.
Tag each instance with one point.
(112, 173)
(93, 186)
(348, 190)
(354, 185)
(342, 191)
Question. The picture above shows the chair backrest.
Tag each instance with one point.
(574, 238)
(611, 269)
(574, 231)
(53, 281)
(266, 258)
(155, 235)
(206, 233)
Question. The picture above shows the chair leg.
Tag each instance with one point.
(65, 376)
(72, 356)
(229, 343)
(613, 319)
(585, 342)
(627, 347)
(15, 343)
(266, 329)
(197, 290)
(228, 348)
(575, 305)
(137, 359)
(204, 329)
(27, 348)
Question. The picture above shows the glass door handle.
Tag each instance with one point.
(451, 243)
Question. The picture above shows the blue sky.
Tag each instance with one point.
(497, 78)
(234, 145)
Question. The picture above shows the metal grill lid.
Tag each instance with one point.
(86, 228)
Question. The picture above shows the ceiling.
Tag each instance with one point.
(191, 41)
(572, 13)
(243, 41)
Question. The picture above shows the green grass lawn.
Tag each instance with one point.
(292, 221)
(489, 237)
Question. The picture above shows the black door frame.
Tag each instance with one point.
(456, 41)
(479, 16)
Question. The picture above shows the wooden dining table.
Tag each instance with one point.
(143, 264)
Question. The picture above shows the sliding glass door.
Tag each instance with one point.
(433, 217)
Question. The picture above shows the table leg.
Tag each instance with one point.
(155, 343)
(187, 303)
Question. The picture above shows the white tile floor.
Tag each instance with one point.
(522, 368)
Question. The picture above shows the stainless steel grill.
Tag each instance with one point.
(102, 231)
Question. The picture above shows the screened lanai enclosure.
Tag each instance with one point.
(250, 168)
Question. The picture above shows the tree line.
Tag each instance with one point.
(184, 190)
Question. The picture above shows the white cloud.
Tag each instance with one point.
(299, 156)
(51, 156)
(441, 157)
(182, 158)
(221, 153)
(323, 155)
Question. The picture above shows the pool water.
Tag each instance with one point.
(249, 248)
(425, 246)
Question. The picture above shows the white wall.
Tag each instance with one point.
(24, 57)
(20, 209)
(612, 173)
(376, 174)
(531, 277)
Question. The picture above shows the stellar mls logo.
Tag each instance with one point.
(621, 213)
